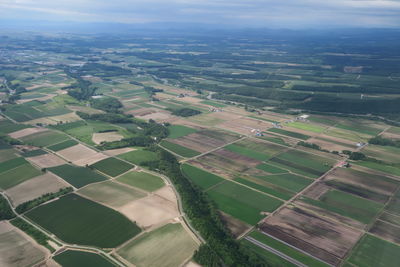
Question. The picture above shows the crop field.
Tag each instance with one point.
(307, 127)
(257, 146)
(268, 256)
(7, 154)
(76, 258)
(288, 181)
(241, 202)
(151, 211)
(33, 153)
(243, 125)
(380, 166)
(348, 205)
(17, 175)
(205, 140)
(303, 163)
(289, 251)
(155, 248)
(139, 156)
(7, 127)
(45, 138)
(142, 180)
(327, 240)
(16, 249)
(270, 168)
(12, 163)
(176, 131)
(34, 188)
(47, 160)
(289, 133)
(246, 152)
(385, 153)
(178, 149)
(77, 176)
(363, 184)
(81, 155)
(112, 166)
(262, 186)
(77, 220)
(63, 145)
(201, 178)
(225, 163)
(372, 251)
(111, 194)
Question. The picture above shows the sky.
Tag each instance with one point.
(226, 13)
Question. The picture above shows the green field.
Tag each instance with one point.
(241, 202)
(63, 145)
(139, 156)
(346, 204)
(289, 181)
(289, 133)
(7, 127)
(212, 103)
(289, 251)
(167, 246)
(142, 180)
(201, 178)
(373, 251)
(112, 166)
(46, 138)
(180, 150)
(33, 153)
(269, 257)
(18, 175)
(246, 152)
(7, 154)
(77, 220)
(303, 163)
(270, 168)
(176, 131)
(380, 166)
(12, 163)
(75, 258)
(111, 194)
(307, 127)
(77, 176)
(265, 187)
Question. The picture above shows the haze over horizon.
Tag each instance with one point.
(291, 14)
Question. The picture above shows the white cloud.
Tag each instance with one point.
(286, 13)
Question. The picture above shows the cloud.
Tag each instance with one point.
(259, 13)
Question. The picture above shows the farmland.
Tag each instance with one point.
(142, 180)
(77, 176)
(268, 152)
(156, 248)
(77, 220)
(74, 258)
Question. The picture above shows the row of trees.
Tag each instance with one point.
(221, 248)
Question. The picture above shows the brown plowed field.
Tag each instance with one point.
(311, 233)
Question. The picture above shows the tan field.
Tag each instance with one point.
(112, 194)
(69, 117)
(35, 187)
(157, 116)
(18, 249)
(47, 160)
(26, 132)
(245, 125)
(234, 225)
(150, 211)
(85, 109)
(118, 151)
(167, 192)
(106, 137)
(81, 155)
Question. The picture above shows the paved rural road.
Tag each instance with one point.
(276, 252)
